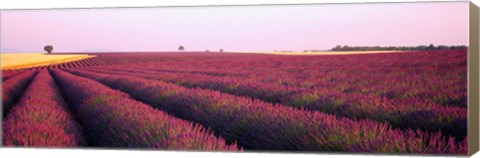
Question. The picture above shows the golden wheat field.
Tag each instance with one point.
(26, 60)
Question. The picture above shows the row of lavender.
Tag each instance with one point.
(8, 74)
(106, 117)
(402, 114)
(262, 126)
(112, 119)
(41, 118)
(13, 87)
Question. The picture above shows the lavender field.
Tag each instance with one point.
(403, 102)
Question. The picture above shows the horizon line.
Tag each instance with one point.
(226, 50)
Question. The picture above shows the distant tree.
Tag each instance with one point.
(48, 48)
(207, 50)
(338, 47)
(181, 48)
(431, 47)
(221, 50)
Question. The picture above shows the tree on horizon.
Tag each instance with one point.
(48, 48)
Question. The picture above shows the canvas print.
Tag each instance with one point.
(374, 78)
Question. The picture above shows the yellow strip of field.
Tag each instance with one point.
(27, 60)
(327, 52)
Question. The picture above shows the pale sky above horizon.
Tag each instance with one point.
(235, 28)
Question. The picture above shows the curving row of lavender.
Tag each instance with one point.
(13, 87)
(112, 119)
(10, 73)
(262, 126)
(41, 118)
(403, 114)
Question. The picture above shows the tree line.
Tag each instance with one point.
(404, 48)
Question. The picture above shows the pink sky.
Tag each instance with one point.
(235, 28)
